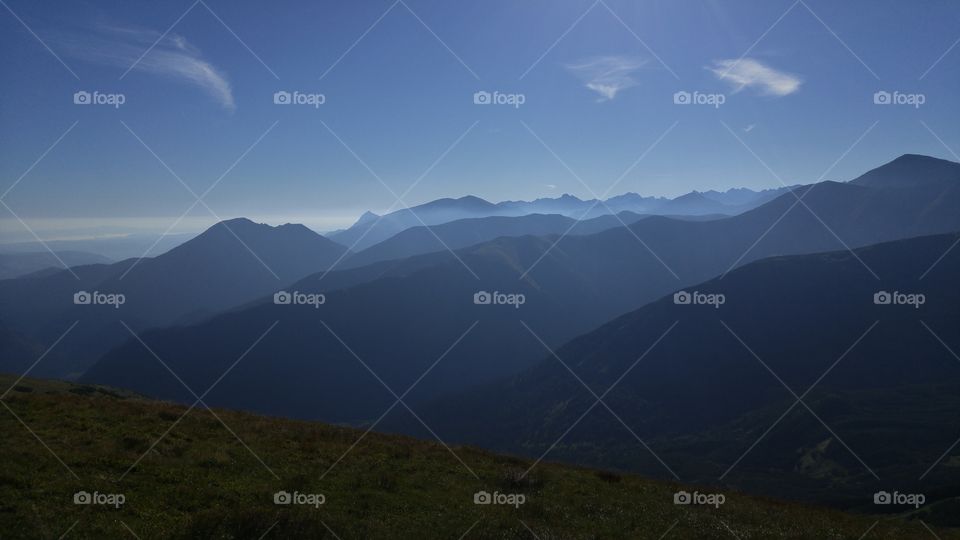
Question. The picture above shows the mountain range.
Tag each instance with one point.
(699, 384)
(373, 314)
(502, 330)
(371, 228)
(231, 263)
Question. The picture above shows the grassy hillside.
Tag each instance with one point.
(199, 481)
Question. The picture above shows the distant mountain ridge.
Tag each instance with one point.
(371, 229)
(230, 263)
(19, 264)
(571, 284)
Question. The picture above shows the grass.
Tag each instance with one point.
(200, 481)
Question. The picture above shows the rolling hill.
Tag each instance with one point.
(200, 474)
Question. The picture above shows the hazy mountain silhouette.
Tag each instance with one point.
(212, 272)
(744, 196)
(20, 264)
(467, 232)
(700, 397)
(381, 310)
(371, 229)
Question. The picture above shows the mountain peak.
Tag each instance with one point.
(366, 217)
(910, 170)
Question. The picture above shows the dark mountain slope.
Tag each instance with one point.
(700, 398)
(207, 274)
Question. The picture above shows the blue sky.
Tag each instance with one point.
(597, 78)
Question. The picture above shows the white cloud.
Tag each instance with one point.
(748, 72)
(749, 128)
(607, 75)
(172, 57)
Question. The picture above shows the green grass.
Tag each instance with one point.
(199, 481)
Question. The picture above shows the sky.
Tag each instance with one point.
(422, 99)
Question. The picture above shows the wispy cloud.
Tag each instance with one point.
(607, 75)
(749, 128)
(172, 57)
(751, 73)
